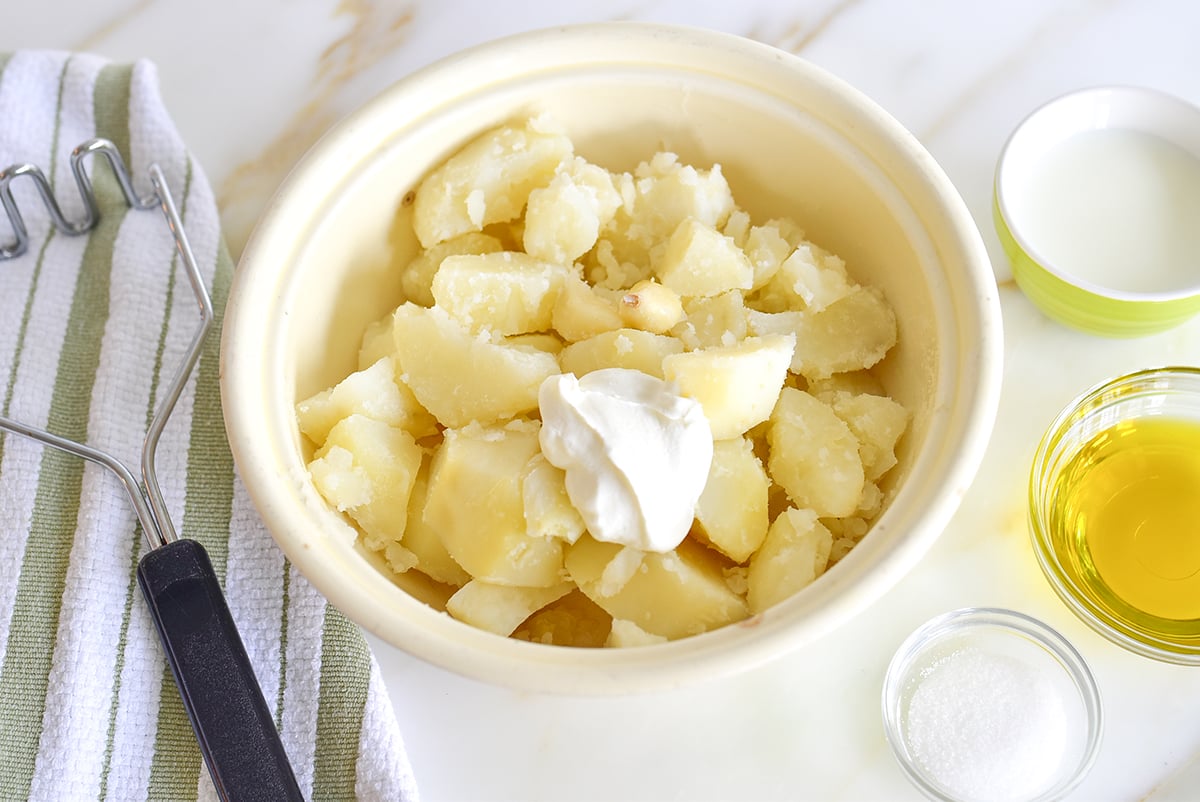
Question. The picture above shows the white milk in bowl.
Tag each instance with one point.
(1117, 208)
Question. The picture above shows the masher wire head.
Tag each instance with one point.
(143, 490)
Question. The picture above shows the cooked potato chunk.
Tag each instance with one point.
(732, 511)
(563, 219)
(374, 393)
(668, 192)
(604, 186)
(852, 333)
(795, 552)
(546, 343)
(561, 223)
(548, 510)
(712, 321)
(809, 279)
(377, 342)
(501, 608)
(853, 382)
(398, 558)
(673, 594)
(626, 633)
(504, 292)
(736, 385)
(487, 181)
(817, 276)
(789, 229)
(877, 422)
(609, 269)
(425, 542)
(620, 348)
(573, 620)
(737, 227)
(460, 377)
(766, 249)
(701, 261)
(367, 469)
(476, 504)
(871, 502)
(814, 455)
(760, 324)
(581, 312)
(417, 278)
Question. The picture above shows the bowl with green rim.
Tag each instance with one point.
(1095, 199)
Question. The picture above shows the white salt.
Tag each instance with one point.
(986, 726)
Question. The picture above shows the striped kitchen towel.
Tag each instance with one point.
(92, 328)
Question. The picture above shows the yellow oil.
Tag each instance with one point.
(1128, 507)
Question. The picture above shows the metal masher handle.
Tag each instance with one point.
(230, 717)
(233, 724)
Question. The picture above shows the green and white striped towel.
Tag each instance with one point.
(91, 327)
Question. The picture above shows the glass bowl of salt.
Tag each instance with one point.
(990, 705)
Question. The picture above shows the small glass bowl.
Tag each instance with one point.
(1166, 393)
(1031, 658)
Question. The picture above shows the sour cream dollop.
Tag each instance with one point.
(636, 454)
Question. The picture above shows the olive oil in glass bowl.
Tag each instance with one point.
(1114, 506)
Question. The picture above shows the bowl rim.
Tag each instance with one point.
(1066, 588)
(1010, 623)
(1003, 202)
(459, 647)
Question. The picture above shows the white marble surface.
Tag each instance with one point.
(252, 83)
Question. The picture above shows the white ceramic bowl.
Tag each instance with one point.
(792, 141)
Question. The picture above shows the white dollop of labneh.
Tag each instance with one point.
(636, 454)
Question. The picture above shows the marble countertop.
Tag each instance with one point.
(252, 85)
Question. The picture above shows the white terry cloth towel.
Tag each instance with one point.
(92, 329)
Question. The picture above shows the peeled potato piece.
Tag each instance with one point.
(367, 469)
(573, 620)
(877, 422)
(713, 321)
(795, 552)
(487, 181)
(475, 503)
(417, 278)
(504, 292)
(620, 348)
(460, 377)
(425, 542)
(374, 392)
(701, 261)
(732, 511)
(501, 608)
(563, 219)
(814, 455)
(580, 312)
(853, 332)
(736, 385)
(675, 594)
(548, 509)
(626, 633)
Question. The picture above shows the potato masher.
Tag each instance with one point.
(220, 692)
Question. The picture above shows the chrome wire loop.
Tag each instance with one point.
(31, 172)
(143, 490)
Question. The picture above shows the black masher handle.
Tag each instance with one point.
(233, 724)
